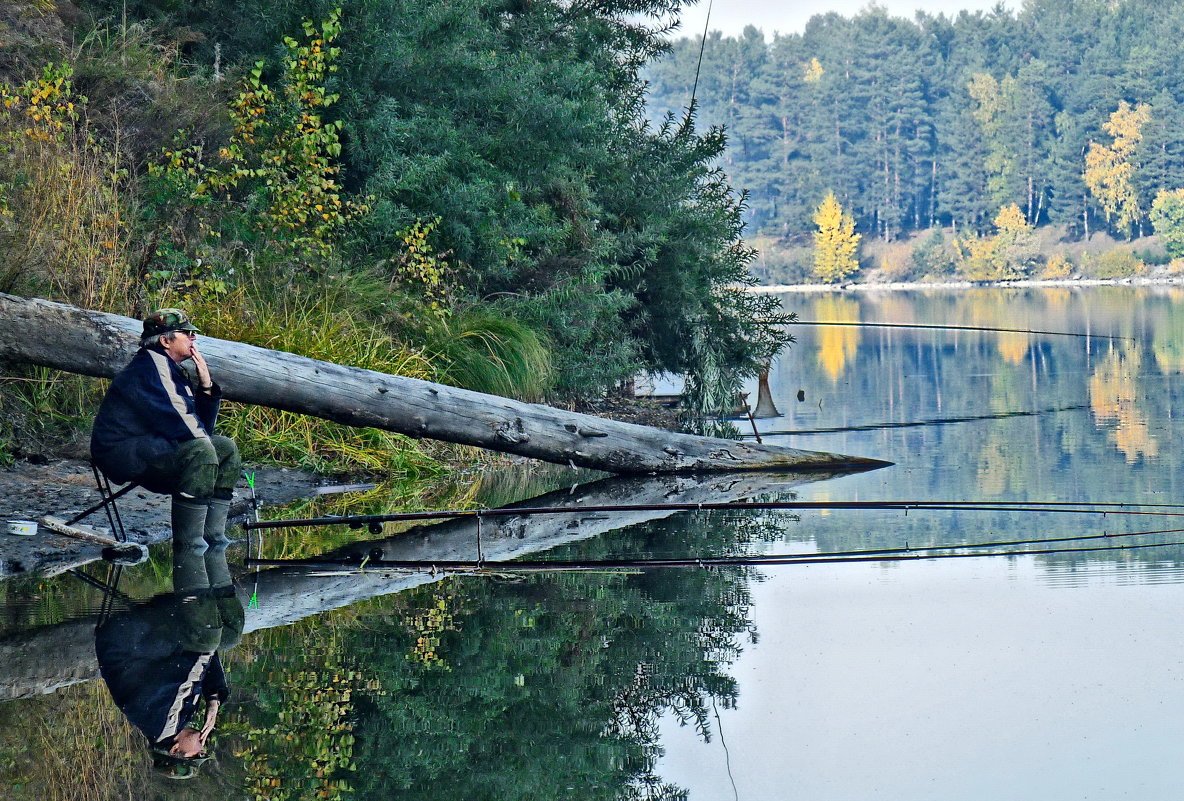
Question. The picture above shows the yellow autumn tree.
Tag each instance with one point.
(1007, 256)
(1016, 240)
(1109, 168)
(836, 245)
(813, 71)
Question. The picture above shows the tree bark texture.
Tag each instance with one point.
(93, 343)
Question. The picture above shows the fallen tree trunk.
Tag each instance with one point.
(93, 343)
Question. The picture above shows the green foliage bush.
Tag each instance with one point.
(1167, 215)
(1116, 263)
(934, 256)
(1153, 258)
(563, 243)
(591, 349)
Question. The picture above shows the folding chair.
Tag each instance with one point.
(107, 503)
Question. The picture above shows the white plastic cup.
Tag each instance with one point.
(22, 528)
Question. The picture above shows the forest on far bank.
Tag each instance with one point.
(1068, 111)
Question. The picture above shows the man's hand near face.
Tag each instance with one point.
(203, 370)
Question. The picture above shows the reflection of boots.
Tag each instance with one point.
(215, 537)
(189, 545)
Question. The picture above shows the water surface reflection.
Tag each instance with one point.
(1053, 676)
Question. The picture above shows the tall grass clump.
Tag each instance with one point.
(479, 349)
(320, 319)
(62, 228)
(63, 233)
(42, 406)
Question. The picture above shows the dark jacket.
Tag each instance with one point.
(150, 408)
(147, 660)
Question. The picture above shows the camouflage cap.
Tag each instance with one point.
(174, 767)
(162, 321)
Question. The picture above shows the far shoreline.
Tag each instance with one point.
(779, 289)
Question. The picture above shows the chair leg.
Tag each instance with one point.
(112, 510)
(107, 503)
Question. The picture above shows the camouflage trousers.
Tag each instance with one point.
(199, 468)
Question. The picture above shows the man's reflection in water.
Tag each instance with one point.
(160, 659)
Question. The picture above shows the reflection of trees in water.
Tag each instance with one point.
(520, 689)
(993, 468)
(1116, 451)
(836, 344)
(1168, 341)
(470, 684)
(1114, 397)
(1013, 347)
(913, 375)
(73, 745)
(293, 738)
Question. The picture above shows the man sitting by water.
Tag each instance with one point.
(153, 429)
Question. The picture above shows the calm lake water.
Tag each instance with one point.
(1057, 675)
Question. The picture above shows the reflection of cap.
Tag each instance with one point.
(162, 321)
(175, 767)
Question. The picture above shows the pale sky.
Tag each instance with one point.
(783, 16)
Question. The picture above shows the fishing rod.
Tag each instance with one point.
(888, 551)
(932, 422)
(601, 565)
(944, 327)
(358, 521)
(999, 543)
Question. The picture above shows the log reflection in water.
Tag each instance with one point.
(47, 659)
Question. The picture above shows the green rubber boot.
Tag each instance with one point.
(215, 537)
(189, 545)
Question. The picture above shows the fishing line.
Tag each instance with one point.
(939, 327)
(719, 725)
(702, 47)
(932, 422)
